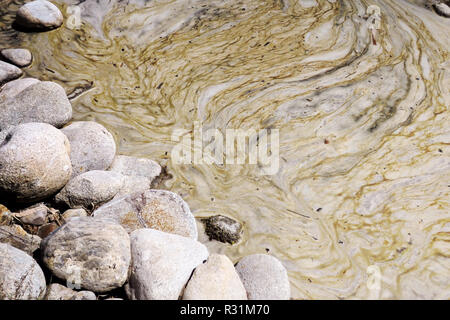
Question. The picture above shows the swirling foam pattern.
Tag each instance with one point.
(364, 177)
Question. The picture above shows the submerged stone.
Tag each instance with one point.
(39, 15)
(223, 229)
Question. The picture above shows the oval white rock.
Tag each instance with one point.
(161, 264)
(19, 57)
(264, 277)
(216, 279)
(92, 146)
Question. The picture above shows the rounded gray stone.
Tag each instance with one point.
(21, 278)
(161, 264)
(39, 15)
(133, 184)
(8, 72)
(139, 173)
(92, 146)
(90, 189)
(34, 162)
(264, 277)
(92, 254)
(216, 279)
(18, 57)
(43, 101)
(157, 209)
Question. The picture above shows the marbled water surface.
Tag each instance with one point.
(361, 101)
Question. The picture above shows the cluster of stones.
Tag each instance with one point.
(117, 232)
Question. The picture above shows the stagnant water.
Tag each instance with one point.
(361, 100)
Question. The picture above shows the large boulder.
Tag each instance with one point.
(34, 162)
(216, 279)
(161, 264)
(92, 254)
(18, 57)
(90, 189)
(92, 146)
(56, 291)
(139, 173)
(43, 101)
(157, 209)
(39, 15)
(8, 72)
(264, 277)
(21, 278)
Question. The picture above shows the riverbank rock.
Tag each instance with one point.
(56, 291)
(35, 162)
(39, 15)
(132, 166)
(133, 184)
(35, 215)
(89, 253)
(223, 229)
(8, 72)
(90, 189)
(43, 101)
(139, 173)
(13, 88)
(264, 277)
(72, 213)
(216, 279)
(21, 278)
(15, 236)
(19, 57)
(161, 264)
(92, 146)
(157, 209)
